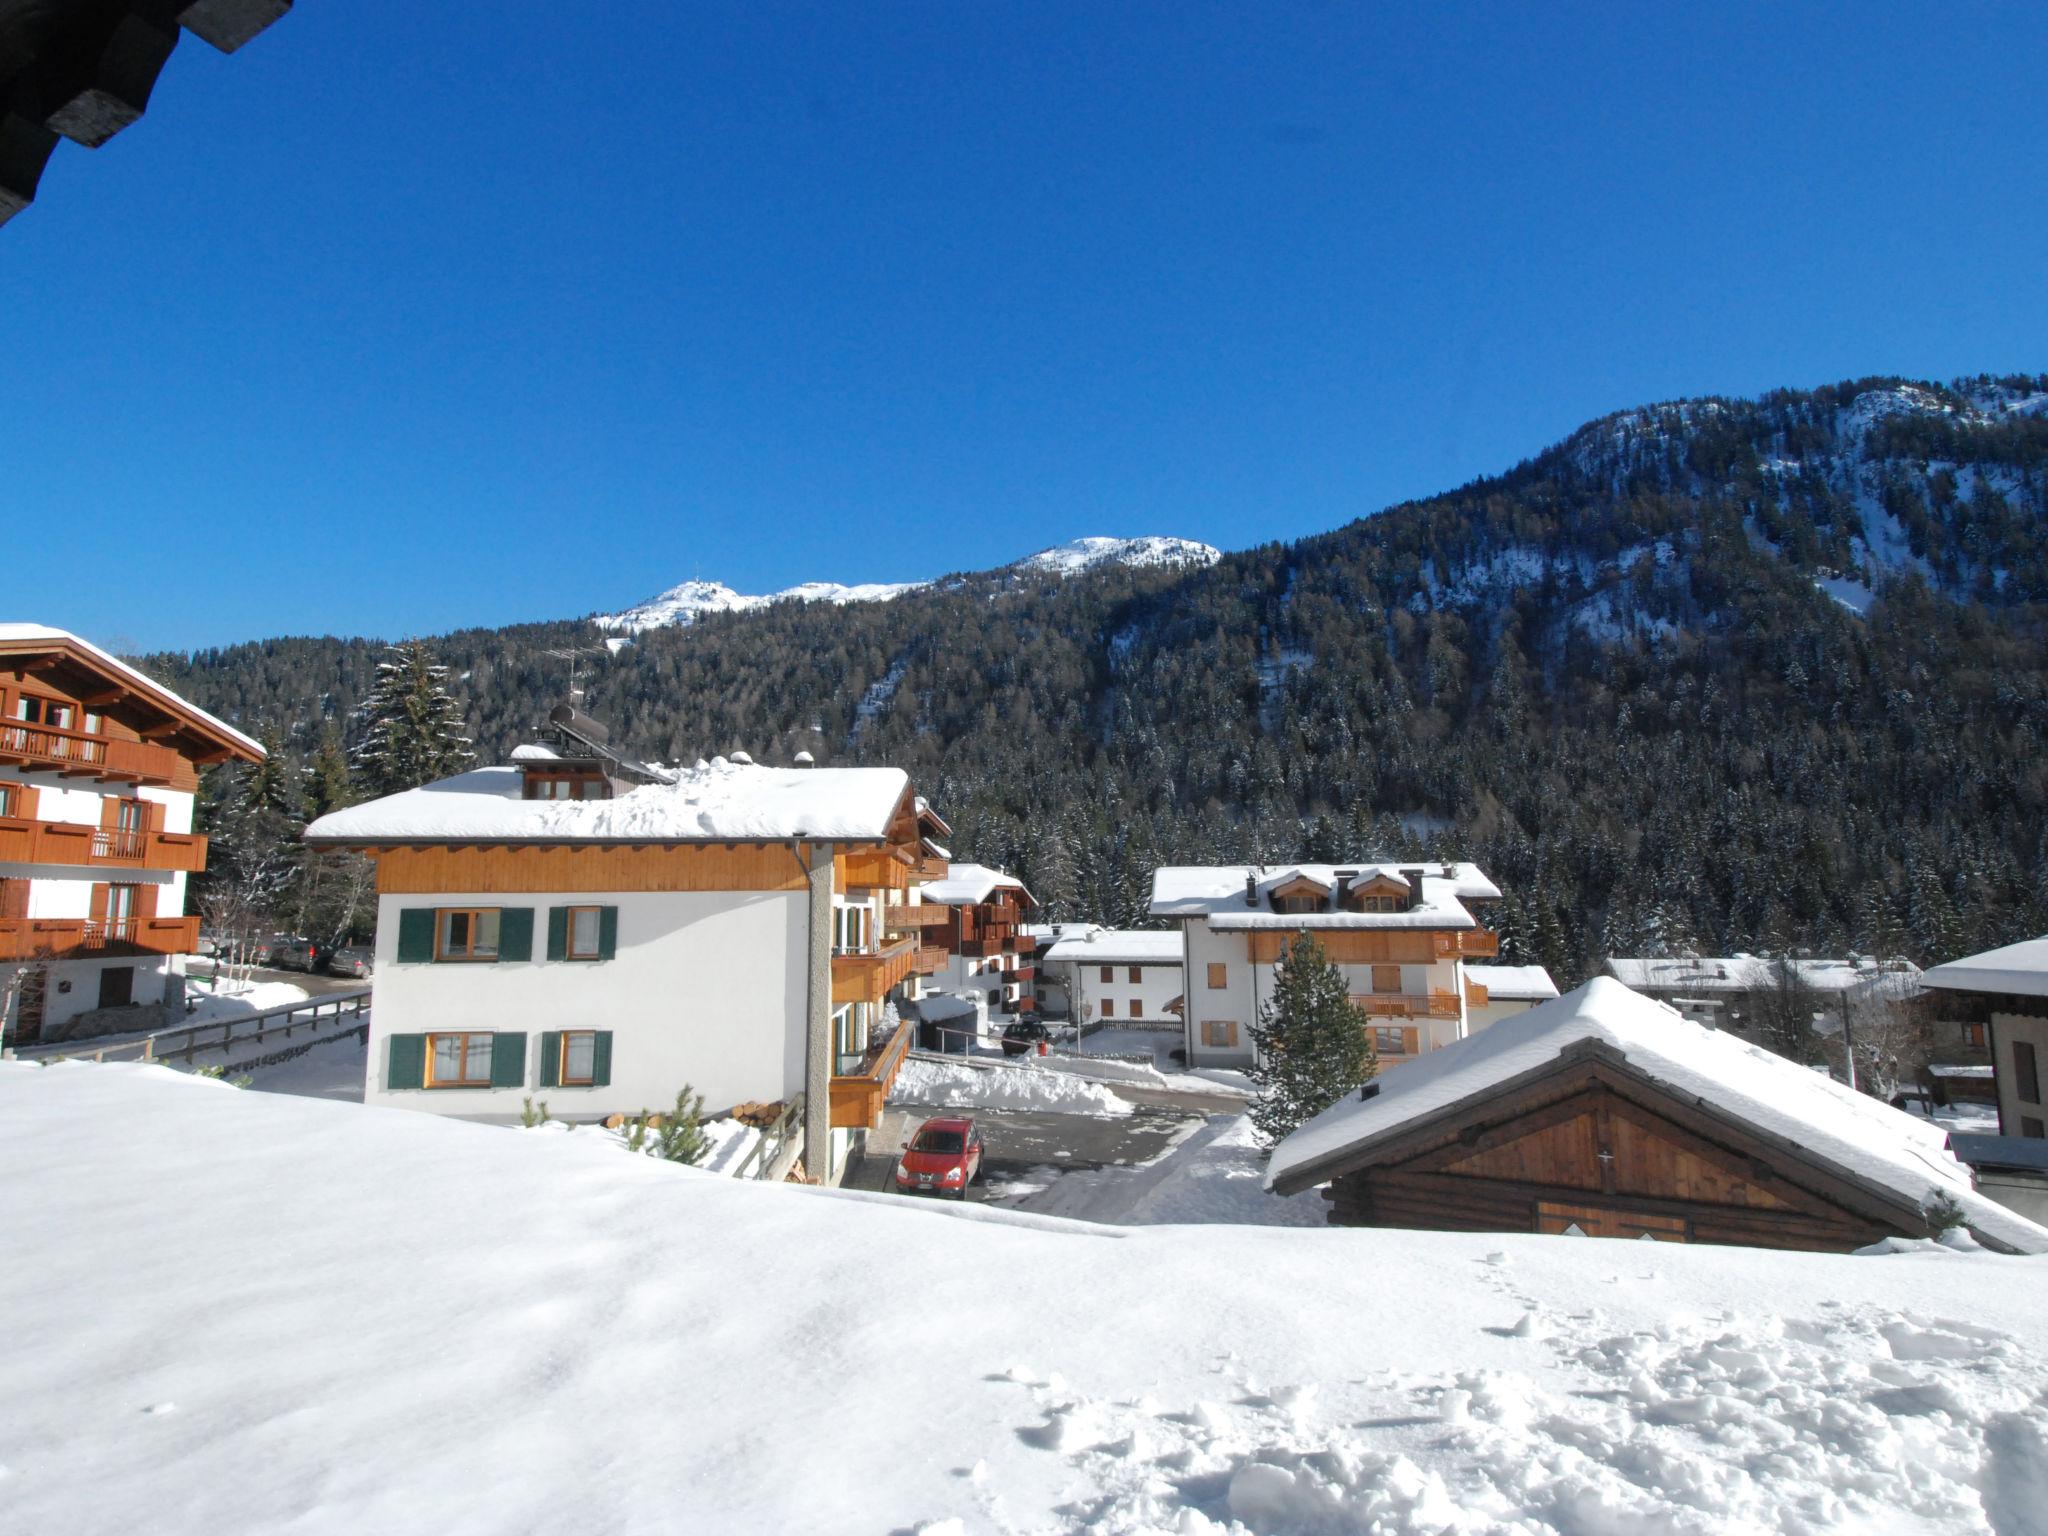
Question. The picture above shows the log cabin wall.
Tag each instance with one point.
(1588, 1145)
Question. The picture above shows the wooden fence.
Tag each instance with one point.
(185, 1041)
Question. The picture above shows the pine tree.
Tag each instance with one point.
(414, 733)
(325, 783)
(1313, 1043)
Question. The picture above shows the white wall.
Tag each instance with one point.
(708, 988)
(2007, 1029)
(1498, 1008)
(1141, 1002)
(74, 986)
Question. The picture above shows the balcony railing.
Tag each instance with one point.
(80, 754)
(866, 977)
(986, 945)
(31, 938)
(1408, 1005)
(900, 919)
(931, 959)
(858, 1095)
(1025, 943)
(23, 841)
(1478, 944)
(929, 869)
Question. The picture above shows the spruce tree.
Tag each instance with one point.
(1313, 1043)
(324, 786)
(414, 733)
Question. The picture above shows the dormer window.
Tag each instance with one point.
(567, 784)
(1297, 904)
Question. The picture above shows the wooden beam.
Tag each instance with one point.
(160, 730)
(102, 700)
(227, 24)
(105, 84)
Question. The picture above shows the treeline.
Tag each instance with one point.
(1609, 676)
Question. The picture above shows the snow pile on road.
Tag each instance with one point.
(1027, 1086)
(249, 1313)
(231, 1002)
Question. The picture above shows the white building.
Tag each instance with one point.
(988, 956)
(1399, 933)
(98, 768)
(1118, 976)
(1721, 991)
(547, 929)
(2005, 991)
(1497, 992)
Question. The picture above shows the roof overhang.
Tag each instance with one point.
(115, 689)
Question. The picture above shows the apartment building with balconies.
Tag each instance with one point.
(99, 766)
(595, 933)
(989, 958)
(1400, 934)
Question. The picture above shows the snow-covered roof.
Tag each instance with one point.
(1118, 946)
(968, 885)
(535, 752)
(1751, 973)
(149, 687)
(719, 801)
(1864, 1138)
(1217, 892)
(936, 1006)
(1512, 981)
(2017, 970)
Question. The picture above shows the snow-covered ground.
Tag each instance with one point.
(1213, 1172)
(1027, 1085)
(235, 1312)
(212, 1007)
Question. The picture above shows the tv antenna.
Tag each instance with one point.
(569, 654)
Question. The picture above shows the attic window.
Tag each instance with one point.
(1297, 904)
(570, 785)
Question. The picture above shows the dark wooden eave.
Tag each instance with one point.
(84, 69)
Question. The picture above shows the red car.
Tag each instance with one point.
(944, 1157)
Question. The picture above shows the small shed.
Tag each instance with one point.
(1608, 1114)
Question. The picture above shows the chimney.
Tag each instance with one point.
(1414, 879)
(1251, 889)
(1344, 879)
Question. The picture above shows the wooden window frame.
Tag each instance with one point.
(444, 956)
(1137, 973)
(427, 1075)
(1109, 1007)
(1380, 980)
(12, 798)
(569, 950)
(1219, 975)
(562, 1065)
(1225, 1027)
(48, 702)
(1108, 974)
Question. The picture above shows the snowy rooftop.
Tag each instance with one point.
(1217, 892)
(717, 801)
(1749, 973)
(33, 634)
(968, 885)
(1118, 946)
(535, 752)
(1880, 1145)
(1512, 981)
(2017, 969)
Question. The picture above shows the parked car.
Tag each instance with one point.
(264, 951)
(944, 1157)
(1024, 1035)
(351, 960)
(289, 953)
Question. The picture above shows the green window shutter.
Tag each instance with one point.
(406, 1065)
(601, 1060)
(415, 937)
(508, 1061)
(558, 933)
(515, 933)
(607, 933)
(550, 1059)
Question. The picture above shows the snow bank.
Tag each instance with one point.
(249, 1313)
(947, 1086)
(211, 1007)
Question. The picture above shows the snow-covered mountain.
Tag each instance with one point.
(1086, 554)
(680, 605)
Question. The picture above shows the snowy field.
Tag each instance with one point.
(1029, 1085)
(240, 1312)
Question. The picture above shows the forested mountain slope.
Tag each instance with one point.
(1725, 673)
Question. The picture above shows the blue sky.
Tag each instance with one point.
(415, 316)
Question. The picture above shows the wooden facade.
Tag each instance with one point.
(522, 868)
(1587, 1141)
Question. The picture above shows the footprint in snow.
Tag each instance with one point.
(161, 1408)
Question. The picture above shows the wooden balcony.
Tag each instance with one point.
(1408, 1005)
(867, 978)
(931, 959)
(858, 1095)
(1475, 995)
(30, 938)
(1024, 975)
(930, 869)
(986, 946)
(905, 919)
(81, 755)
(1478, 944)
(1025, 943)
(23, 841)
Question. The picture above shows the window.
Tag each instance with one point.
(1390, 1041)
(852, 927)
(585, 926)
(2026, 1073)
(579, 1057)
(467, 934)
(1109, 973)
(1297, 904)
(459, 1061)
(1137, 974)
(1386, 978)
(1221, 1033)
(1381, 904)
(58, 714)
(10, 799)
(1219, 975)
(1109, 1007)
(1973, 1036)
